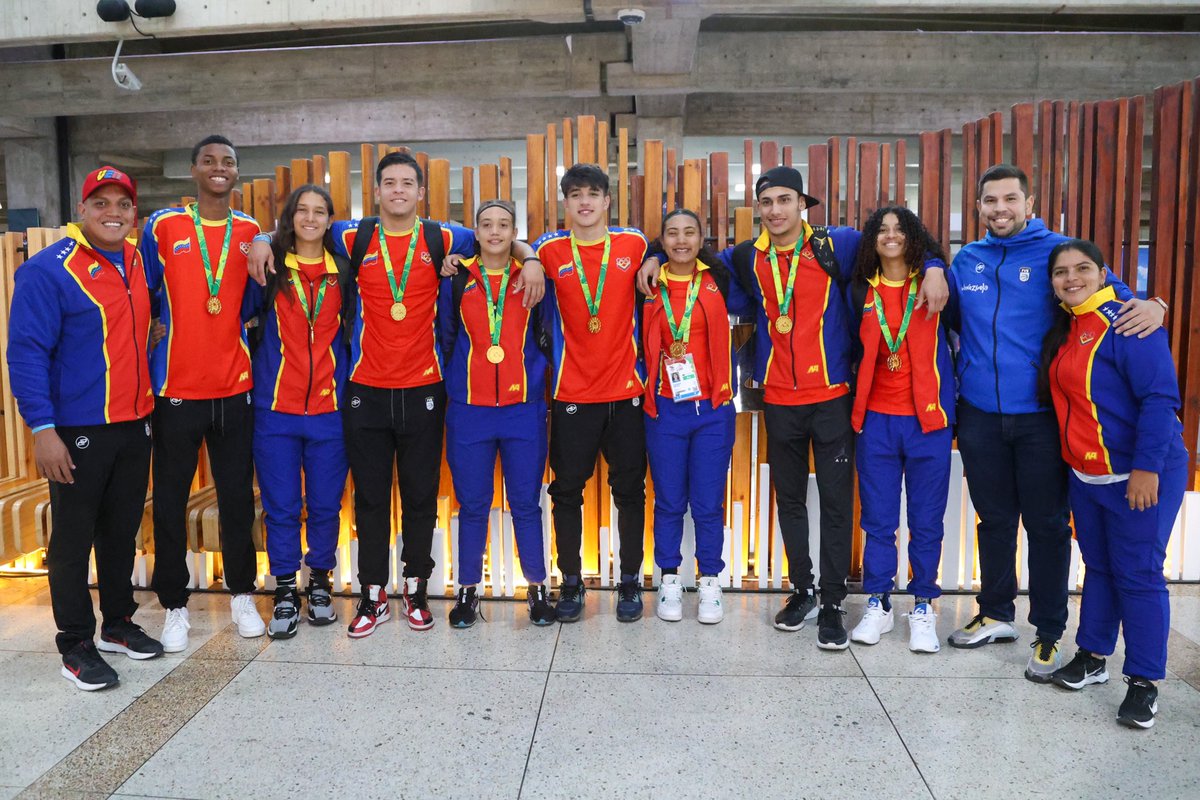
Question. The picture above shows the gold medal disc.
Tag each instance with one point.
(677, 349)
(398, 311)
(783, 324)
(495, 354)
(594, 325)
(213, 306)
(893, 362)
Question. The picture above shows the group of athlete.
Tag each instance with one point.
(330, 347)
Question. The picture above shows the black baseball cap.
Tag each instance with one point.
(788, 178)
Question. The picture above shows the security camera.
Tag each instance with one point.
(631, 16)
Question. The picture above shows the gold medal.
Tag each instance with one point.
(594, 324)
(677, 349)
(495, 354)
(893, 362)
(399, 312)
(213, 306)
(783, 324)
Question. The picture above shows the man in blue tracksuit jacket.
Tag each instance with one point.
(1002, 305)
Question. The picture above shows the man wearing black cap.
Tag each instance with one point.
(797, 274)
(78, 363)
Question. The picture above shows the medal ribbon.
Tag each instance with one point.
(785, 300)
(495, 309)
(593, 306)
(893, 346)
(683, 331)
(294, 277)
(398, 291)
(214, 280)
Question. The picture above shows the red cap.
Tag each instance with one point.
(109, 175)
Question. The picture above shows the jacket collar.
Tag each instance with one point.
(662, 273)
(1034, 229)
(763, 242)
(1106, 294)
(291, 262)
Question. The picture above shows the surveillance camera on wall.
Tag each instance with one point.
(631, 16)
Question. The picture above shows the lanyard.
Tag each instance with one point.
(495, 309)
(682, 332)
(593, 306)
(785, 300)
(311, 317)
(398, 291)
(214, 280)
(893, 346)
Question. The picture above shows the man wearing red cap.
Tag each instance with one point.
(78, 364)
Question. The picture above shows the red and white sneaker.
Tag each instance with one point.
(416, 604)
(372, 611)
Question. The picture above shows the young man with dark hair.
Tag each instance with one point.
(195, 260)
(78, 368)
(1009, 441)
(598, 382)
(796, 274)
(396, 399)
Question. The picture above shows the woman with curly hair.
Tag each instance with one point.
(903, 413)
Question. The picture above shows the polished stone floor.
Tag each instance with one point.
(598, 709)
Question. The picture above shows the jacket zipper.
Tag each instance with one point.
(995, 331)
(311, 343)
(133, 330)
(1067, 396)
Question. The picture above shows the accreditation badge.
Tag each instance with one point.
(681, 372)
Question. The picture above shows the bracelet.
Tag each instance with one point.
(525, 261)
(263, 237)
(1161, 302)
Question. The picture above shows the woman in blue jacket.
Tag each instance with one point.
(1117, 402)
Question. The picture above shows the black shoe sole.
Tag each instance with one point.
(105, 646)
(321, 622)
(282, 634)
(1088, 680)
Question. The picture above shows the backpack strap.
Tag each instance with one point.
(348, 272)
(823, 251)
(431, 232)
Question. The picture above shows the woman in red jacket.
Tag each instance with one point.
(689, 405)
(903, 410)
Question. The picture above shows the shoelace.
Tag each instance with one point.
(570, 592)
(366, 607)
(286, 605)
(627, 592)
(1043, 650)
(976, 622)
(319, 596)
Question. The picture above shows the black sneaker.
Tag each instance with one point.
(541, 610)
(286, 617)
(831, 632)
(799, 607)
(1140, 704)
(466, 610)
(1080, 671)
(570, 601)
(126, 636)
(320, 603)
(629, 601)
(84, 667)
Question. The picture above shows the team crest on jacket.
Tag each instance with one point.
(181, 247)
(370, 258)
(979, 267)
(1024, 274)
(426, 258)
(1086, 337)
(245, 248)
(624, 263)
(331, 280)
(712, 287)
(565, 270)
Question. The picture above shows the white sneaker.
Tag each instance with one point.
(711, 609)
(174, 637)
(245, 616)
(922, 630)
(670, 599)
(875, 623)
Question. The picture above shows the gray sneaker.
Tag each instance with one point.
(320, 605)
(287, 614)
(982, 630)
(1044, 661)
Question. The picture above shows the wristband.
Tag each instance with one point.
(530, 258)
(1161, 302)
(263, 237)
(41, 428)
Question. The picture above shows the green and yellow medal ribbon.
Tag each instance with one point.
(682, 332)
(783, 323)
(495, 309)
(294, 277)
(213, 305)
(593, 305)
(893, 359)
(398, 310)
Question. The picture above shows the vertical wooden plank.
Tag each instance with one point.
(787, 157)
(506, 178)
(833, 199)
(623, 177)
(678, 193)
(947, 141)
(1045, 171)
(424, 209)
(1021, 130)
(984, 152)
(929, 187)
(1120, 185)
(706, 223)
(768, 156)
(691, 185)
(602, 145)
(652, 170)
(437, 193)
(468, 196)
(637, 200)
(1133, 191)
(1164, 189)
(1179, 288)
(852, 216)
(552, 192)
(248, 198)
(366, 156)
(1074, 159)
(1087, 175)
(1058, 164)
(587, 139)
(885, 167)
(381, 150)
(970, 182)
(743, 224)
(235, 202)
(748, 171)
(818, 181)
(672, 187)
(489, 182)
(718, 165)
(568, 143)
(898, 197)
(535, 186)
(339, 183)
(283, 186)
(997, 130)
(1189, 317)
(868, 180)
(1104, 151)
(301, 171)
(320, 170)
(264, 203)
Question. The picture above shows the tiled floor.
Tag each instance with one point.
(596, 709)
